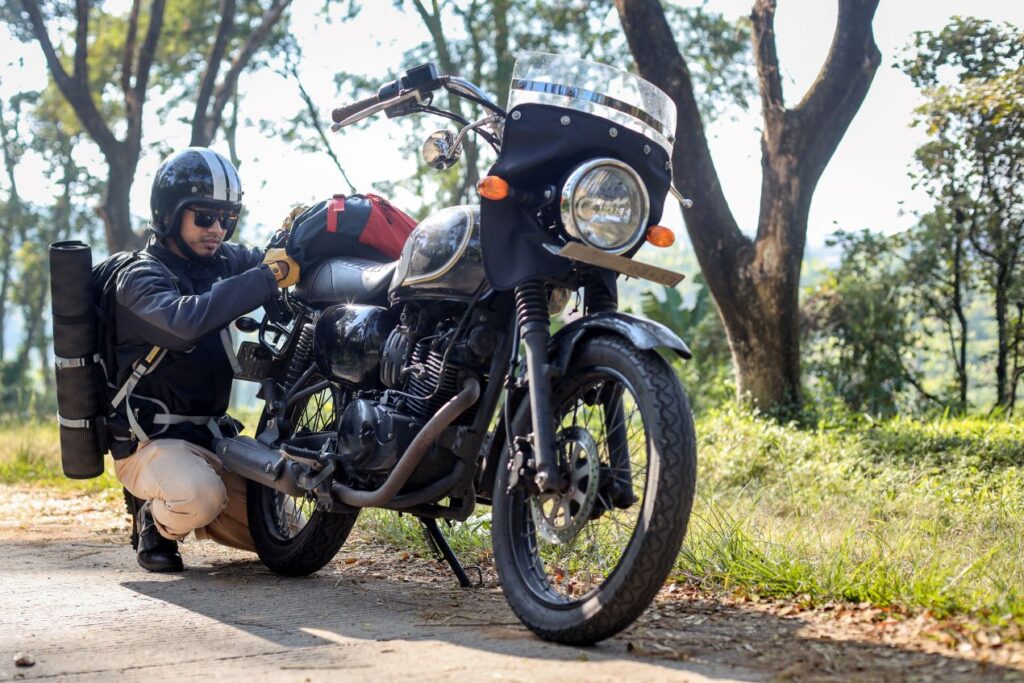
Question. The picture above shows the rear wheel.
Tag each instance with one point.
(296, 536)
(580, 565)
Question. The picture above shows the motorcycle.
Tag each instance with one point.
(434, 383)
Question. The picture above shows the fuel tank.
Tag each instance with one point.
(442, 258)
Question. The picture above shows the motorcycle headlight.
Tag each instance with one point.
(605, 204)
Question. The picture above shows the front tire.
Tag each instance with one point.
(296, 536)
(581, 566)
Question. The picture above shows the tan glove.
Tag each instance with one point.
(283, 266)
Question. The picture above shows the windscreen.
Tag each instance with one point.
(618, 96)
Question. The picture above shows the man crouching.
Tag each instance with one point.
(175, 357)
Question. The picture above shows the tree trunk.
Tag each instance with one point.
(122, 156)
(961, 317)
(211, 100)
(435, 26)
(756, 282)
(1002, 340)
(7, 249)
(13, 227)
(115, 212)
(1015, 345)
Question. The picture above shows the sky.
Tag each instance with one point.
(864, 186)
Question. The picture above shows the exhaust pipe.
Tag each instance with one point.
(248, 458)
(251, 459)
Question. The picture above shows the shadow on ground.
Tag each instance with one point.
(335, 607)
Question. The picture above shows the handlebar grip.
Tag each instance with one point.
(341, 113)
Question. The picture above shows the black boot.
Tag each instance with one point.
(155, 553)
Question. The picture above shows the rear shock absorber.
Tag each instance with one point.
(275, 397)
(534, 326)
(301, 356)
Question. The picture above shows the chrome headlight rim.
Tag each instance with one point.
(567, 204)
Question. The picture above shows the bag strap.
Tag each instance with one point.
(334, 207)
(140, 369)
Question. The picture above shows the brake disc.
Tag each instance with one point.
(559, 517)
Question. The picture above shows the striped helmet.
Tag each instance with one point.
(195, 176)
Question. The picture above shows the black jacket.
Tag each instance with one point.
(179, 304)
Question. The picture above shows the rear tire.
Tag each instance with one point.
(585, 570)
(296, 536)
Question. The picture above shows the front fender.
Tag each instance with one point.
(642, 333)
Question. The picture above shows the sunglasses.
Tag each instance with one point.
(205, 218)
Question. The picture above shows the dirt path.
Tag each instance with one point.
(73, 599)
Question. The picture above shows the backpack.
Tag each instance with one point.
(104, 293)
(363, 226)
(104, 288)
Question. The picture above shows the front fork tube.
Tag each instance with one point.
(599, 297)
(534, 326)
(619, 486)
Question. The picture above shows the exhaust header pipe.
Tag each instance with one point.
(251, 459)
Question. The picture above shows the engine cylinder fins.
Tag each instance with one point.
(423, 383)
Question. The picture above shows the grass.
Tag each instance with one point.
(31, 455)
(912, 514)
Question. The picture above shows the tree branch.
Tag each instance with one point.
(314, 119)
(909, 376)
(255, 39)
(433, 23)
(128, 53)
(833, 99)
(82, 42)
(148, 53)
(767, 59)
(206, 84)
(74, 89)
(137, 98)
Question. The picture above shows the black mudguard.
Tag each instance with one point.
(644, 334)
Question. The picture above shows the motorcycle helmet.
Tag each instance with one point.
(195, 176)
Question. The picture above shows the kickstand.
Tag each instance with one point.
(441, 544)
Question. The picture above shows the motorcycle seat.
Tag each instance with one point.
(345, 279)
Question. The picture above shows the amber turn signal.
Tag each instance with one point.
(492, 187)
(660, 236)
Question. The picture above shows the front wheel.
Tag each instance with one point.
(581, 565)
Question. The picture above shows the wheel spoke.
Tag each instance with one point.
(568, 568)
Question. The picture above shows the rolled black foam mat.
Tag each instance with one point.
(79, 389)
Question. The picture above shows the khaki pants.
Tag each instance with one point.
(190, 490)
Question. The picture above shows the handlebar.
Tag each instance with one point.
(341, 113)
(409, 90)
